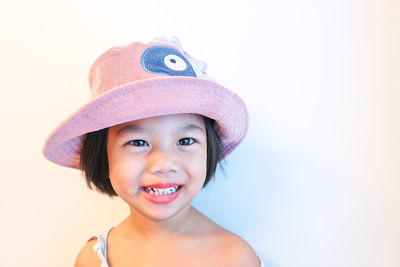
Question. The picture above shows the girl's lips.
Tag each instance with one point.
(162, 199)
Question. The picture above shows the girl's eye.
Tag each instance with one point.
(137, 142)
(186, 141)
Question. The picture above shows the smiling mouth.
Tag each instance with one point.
(159, 194)
(161, 191)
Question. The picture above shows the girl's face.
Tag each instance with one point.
(151, 158)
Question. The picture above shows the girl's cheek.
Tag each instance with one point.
(123, 174)
(198, 166)
(124, 186)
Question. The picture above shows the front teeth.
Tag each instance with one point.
(161, 191)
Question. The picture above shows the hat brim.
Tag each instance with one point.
(148, 98)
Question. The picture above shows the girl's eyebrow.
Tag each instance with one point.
(137, 128)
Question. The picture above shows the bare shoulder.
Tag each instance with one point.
(228, 249)
(236, 251)
(86, 256)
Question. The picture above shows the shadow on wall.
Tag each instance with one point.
(248, 196)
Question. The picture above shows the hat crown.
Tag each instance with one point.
(136, 61)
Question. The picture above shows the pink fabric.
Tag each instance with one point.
(121, 91)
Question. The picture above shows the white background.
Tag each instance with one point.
(316, 181)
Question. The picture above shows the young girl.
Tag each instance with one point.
(153, 133)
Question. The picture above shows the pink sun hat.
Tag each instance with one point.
(139, 81)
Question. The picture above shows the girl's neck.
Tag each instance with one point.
(139, 226)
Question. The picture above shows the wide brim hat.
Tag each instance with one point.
(142, 80)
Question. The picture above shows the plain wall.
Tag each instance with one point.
(315, 182)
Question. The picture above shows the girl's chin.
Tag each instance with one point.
(158, 215)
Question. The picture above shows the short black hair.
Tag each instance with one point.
(94, 160)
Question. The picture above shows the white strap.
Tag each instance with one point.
(262, 263)
(99, 248)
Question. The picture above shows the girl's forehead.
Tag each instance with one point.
(186, 121)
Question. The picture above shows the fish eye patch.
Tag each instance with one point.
(166, 60)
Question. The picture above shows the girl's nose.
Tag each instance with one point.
(163, 162)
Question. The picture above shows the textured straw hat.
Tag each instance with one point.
(141, 80)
